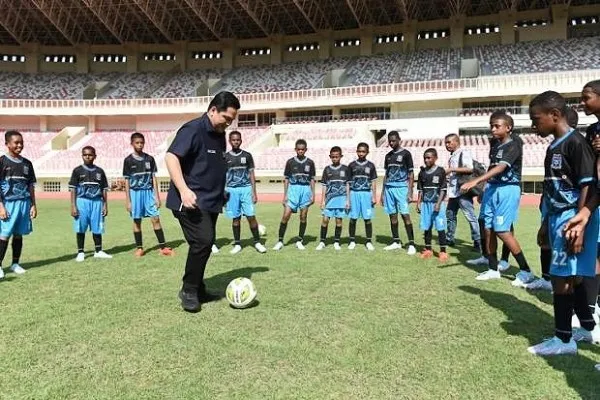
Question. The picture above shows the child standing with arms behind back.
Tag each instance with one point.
(363, 181)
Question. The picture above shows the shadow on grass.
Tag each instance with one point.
(527, 320)
(307, 239)
(131, 246)
(218, 283)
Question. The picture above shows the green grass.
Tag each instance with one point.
(329, 325)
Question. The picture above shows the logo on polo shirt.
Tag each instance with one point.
(556, 161)
(211, 151)
(25, 170)
(367, 170)
(98, 176)
(147, 164)
(436, 179)
(243, 160)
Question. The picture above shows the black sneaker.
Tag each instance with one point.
(207, 297)
(189, 301)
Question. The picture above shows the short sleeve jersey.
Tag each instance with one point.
(431, 183)
(511, 154)
(16, 178)
(139, 171)
(335, 180)
(398, 165)
(362, 174)
(300, 172)
(239, 166)
(88, 182)
(591, 132)
(201, 153)
(569, 165)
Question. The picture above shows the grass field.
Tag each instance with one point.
(329, 325)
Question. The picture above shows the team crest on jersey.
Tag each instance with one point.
(98, 176)
(147, 164)
(25, 169)
(307, 168)
(243, 160)
(499, 153)
(556, 161)
(399, 158)
(367, 170)
(436, 179)
(343, 174)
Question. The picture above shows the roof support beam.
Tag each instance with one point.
(206, 11)
(408, 9)
(63, 19)
(313, 14)
(360, 12)
(261, 15)
(158, 13)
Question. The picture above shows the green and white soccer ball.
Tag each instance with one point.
(240, 293)
(262, 230)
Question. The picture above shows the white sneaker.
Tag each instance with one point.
(278, 246)
(214, 249)
(575, 322)
(553, 347)
(320, 246)
(539, 284)
(299, 245)
(583, 335)
(370, 246)
(260, 248)
(101, 254)
(236, 249)
(411, 250)
(522, 279)
(351, 245)
(17, 269)
(503, 265)
(478, 261)
(1, 273)
(80, 257)
(487, 275)
(393, 246)
(336, 246)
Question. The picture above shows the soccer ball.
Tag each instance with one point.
(262, 230)
(240, 293)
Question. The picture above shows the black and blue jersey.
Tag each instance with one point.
(362, 174)
(239, 166)
(335, 180)
(300, 172)
(140, 171)
(16, 178)
(432, 183)
(89, 182)
(511, 154)
(398, 167)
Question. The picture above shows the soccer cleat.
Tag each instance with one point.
(166, 251)
(320, 246)
(487, 275)
(17, 269)
(80, 257)
(478, 261)
(425, 254)
(189, 301)
(503, 265)
(443, 257)
(336, 246)
(393, 246)
(260, 248)
(411, 251)
(139, 253)
(278, 246)
(1, 273)
(583, 335)
(236, 249)
(539, 284)
(370, 246)
(214, 249)
(553, 347)
(351, 245)
(102, 254)
(523, 278)
(300, 245)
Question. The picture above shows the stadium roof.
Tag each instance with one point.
(71, 22)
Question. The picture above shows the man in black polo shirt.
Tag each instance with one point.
(197, 168)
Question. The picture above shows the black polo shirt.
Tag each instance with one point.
(201, 154)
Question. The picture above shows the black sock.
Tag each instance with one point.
(255, 233)
(160, 237)
(302, 231)
(323, 233)
(3, 248)
(493, 261)
(442, 239)
(410, 234)
(395, 237)
(282, 228)
(338, 234)
(17, 246)
(427, 236)
(236, 234)
(591, 290)
(352, 230)
(581, 306)
(563, 311)
(482, 231)
(523, 266)
(80, 242)
(369, 230)
(97, 242)
(546, 260)
(137, 236)
(505, 253)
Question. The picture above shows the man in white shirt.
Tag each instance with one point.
(460, 163)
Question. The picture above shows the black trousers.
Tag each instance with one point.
(198, 228)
